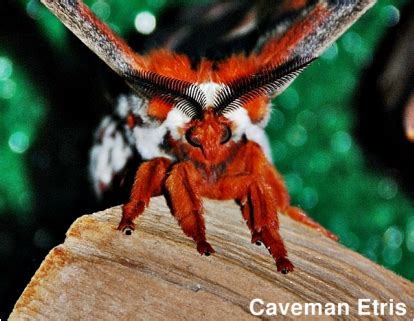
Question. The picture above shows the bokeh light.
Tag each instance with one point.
(18, 142)
(145, 22)
(390, 15)
(6, 68)
(102, 9)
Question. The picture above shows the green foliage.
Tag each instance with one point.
(22, 110)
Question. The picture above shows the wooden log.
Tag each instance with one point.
(98, 273)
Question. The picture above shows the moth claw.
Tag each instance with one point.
(127, 230)
(126, 227)
(284, 265)
(204, 248)
(256, 238)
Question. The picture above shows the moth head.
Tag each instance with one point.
(249, 80)
(207, 119)
(209, 138)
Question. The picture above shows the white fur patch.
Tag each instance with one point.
(210, 90)
(240, 117)
(116, 141)
(110, 156)
(138, 106)
(149, 139)
(258, 135)
(175, 119)
(253, 132)
(123, 106)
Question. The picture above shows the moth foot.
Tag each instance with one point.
(327, 233)
(284, 265)
(257, 238)
(203, 247)
(299, 215)
(126, 227)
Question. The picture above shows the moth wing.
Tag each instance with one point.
(213, 29)
(278, 39)
(116, 152)
(220, 29)
(97, 36)
(300, 31)
(308, 28)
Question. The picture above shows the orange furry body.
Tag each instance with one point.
(170, 64)
(217, 170)
(207, 167)
(200, 124)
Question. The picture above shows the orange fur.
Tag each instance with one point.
(275, 52)
(205, 71)
(178, 66)
(158, 108)
(186, 204)
(169, 64)
(257, 108)
(131, 121)
(207, 167)
(294, 4)
(148, 182)
(278, 50)
(235, 67)
(209, 132)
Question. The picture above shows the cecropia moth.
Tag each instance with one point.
(193, 125)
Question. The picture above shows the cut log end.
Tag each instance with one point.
(99, 273)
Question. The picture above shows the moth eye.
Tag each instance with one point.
(191, 140)
(226, 135)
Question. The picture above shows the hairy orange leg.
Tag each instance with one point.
(263, 203)
(186, 204)
(298, 215)
(148, 182)
(259, 208)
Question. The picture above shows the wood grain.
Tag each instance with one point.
(156, 273)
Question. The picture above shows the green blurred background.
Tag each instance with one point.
(312, 128)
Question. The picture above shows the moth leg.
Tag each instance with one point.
(248, 218)
(148, 182)
(274, 179)
(186, 204)
(298, 215)
(237, 187)
(259, 206)
(261, 209)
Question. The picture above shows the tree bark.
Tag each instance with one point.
(98, 273)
